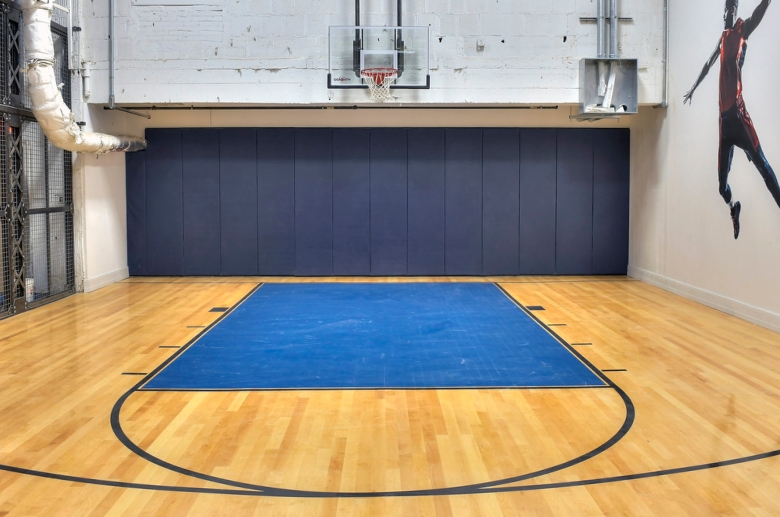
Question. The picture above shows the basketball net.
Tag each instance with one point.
(379, 81)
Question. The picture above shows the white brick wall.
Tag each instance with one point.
(275, 51)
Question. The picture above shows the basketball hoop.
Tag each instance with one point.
(379, 81)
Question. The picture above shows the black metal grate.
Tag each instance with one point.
(4, 51)
(49, 248)
(16, 209)
(5, 264)
(36, 190)
(15, 75)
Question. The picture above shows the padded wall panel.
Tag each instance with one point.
(200, 201)
(500, 201)
(574, 223)
(463, 201)
(276, 201)
(164, 227)
(423, 201)
(313, 202)
(538, 187)
(426, 202)
(388, 201)
(238, 200)
(135, 184)
(611, 171)
(351, 229)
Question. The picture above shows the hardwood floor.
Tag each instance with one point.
(701, 387)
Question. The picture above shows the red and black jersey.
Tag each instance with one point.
(733, 45)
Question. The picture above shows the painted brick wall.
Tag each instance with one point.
(275, 51)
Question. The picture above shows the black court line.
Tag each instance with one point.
(325, 495)
(615, 370)
(133, 373)
(556, 324)
(123, 484)
(463, 489)
(535, 308)
(219, 309)
(581, 344)
(304, 494)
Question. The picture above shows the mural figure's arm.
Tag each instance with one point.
(703, 74)
(755, 18)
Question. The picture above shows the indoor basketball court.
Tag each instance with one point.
(445, 258)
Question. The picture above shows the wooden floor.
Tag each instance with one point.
(690, 427)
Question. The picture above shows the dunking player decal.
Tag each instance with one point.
(736, 128)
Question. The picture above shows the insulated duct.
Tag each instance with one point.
(51, 112)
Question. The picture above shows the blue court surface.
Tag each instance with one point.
(438, 335)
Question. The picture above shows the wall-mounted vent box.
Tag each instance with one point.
(608, 87)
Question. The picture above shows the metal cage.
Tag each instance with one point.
(36, 190)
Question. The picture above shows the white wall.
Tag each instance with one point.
(275, 51)
(681, 231)
(100, 218)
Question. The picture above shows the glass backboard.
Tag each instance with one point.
(353, 49)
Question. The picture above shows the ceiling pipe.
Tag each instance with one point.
(357, 44)
(665, 98)
(50, 110)
(601, 25)
(399, 42)
(613, 27)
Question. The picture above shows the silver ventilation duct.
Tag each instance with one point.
(51, 112)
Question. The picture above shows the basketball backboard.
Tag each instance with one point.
(352, 49)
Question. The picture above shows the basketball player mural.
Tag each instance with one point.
(736, 128)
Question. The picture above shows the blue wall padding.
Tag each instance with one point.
(426, 202)
(611, 164)
(538, 200)
(574, 222)
(463, 202)
(313, 202)
(200, 202)
(298, 336)
(388, 201)
(276, 201)
(351, 229)
(135, 184)
(501, 201)
(238, 200)
(392, 201)
(164, 227)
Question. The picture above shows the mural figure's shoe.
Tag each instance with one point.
(735, 217)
